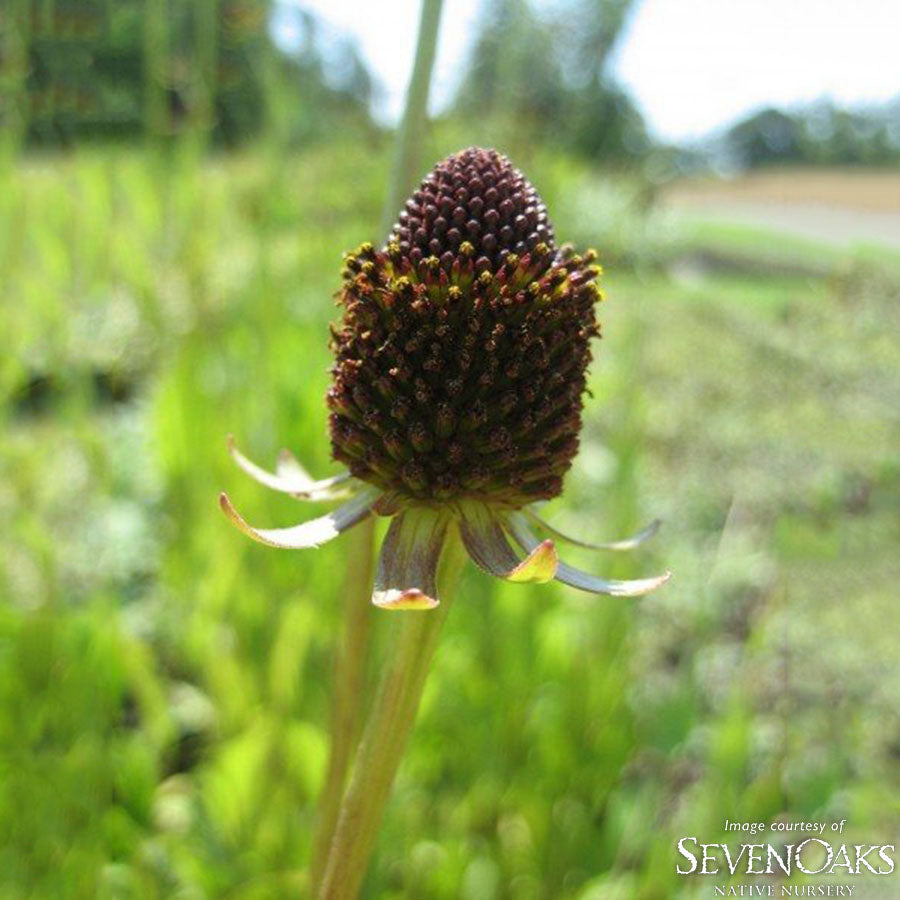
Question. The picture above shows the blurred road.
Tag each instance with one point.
(839, 226)
(837, 206)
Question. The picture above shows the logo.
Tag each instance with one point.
(809, 852)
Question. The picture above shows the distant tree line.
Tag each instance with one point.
(821, 134)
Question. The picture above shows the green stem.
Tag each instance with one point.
(156, 64)
(349, 690)
(15, 40)
(386, 735)
(408, 148)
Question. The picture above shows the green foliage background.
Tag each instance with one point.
(164, 683)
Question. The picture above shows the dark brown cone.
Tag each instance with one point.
(458, 375)
(476, 196)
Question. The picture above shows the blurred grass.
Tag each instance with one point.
(165, 682)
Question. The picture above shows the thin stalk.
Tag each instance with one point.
(386, 734)
(156, 63)
(15, 39)
(349, 689)
(408, 148)
(206, 20)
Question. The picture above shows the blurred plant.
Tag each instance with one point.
(548, 75)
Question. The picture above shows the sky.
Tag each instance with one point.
(692, 66)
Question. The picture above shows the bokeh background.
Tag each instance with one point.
(178, 182)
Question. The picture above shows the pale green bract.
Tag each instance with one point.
(406, 576)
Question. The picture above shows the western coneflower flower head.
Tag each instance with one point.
(460, 367)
